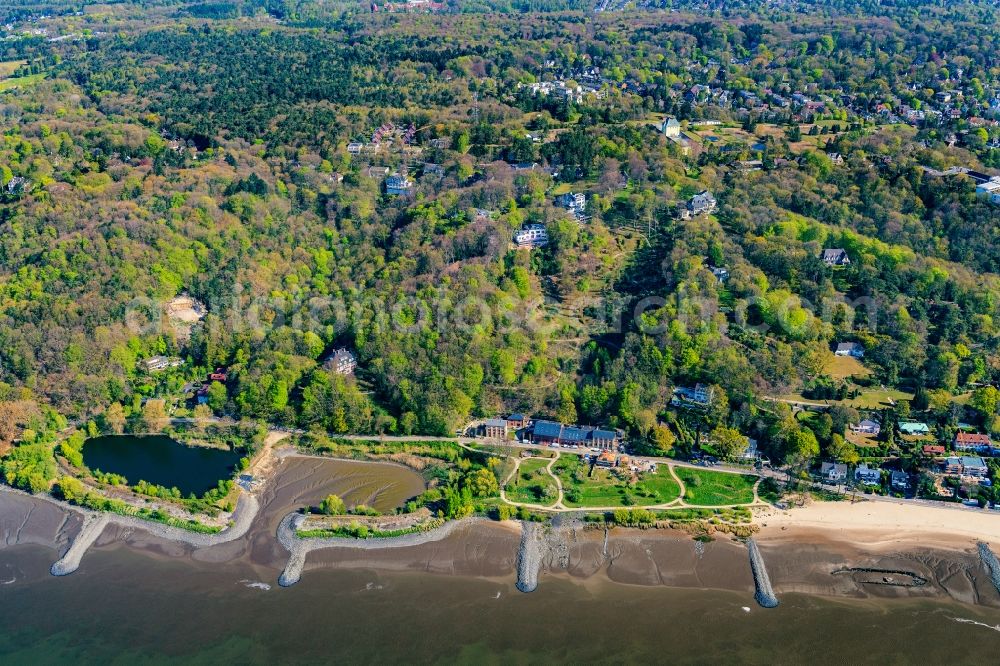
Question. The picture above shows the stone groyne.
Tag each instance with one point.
(94, 523)
(989, 560)
(529, 557)
(765, 593)
(93, 526)
(299, 548)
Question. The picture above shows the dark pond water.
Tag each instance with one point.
(161, 460)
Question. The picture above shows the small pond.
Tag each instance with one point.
(161, 460)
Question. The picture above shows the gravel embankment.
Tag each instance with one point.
(765, 593)
(298, 547)
(989, 560)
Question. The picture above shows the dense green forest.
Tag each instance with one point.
(157, 149)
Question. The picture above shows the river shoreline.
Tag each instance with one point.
(802, 548)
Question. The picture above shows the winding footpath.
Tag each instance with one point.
(559, 505)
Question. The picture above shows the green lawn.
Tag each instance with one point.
(658, 488)
(599, 489)
(878, 398)
(603, 488)
(707, 488)
(532, 484)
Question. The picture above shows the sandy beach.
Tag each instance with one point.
(876, 523)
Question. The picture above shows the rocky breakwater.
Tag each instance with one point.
(765, 593)
(543, 545)
(989, 560)
(94, 523)
(299, 547)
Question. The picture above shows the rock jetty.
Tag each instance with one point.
(989, 560)
(299, 548)
(765, 593)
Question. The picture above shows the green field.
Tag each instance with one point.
(8, 67)
(707, 488)
(21, 82)
(603, 489)
(532, 484)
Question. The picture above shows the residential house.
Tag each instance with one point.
(342, 362)
(517, 421)
(156, 363)
(606, 459)
(702, 203)
(952, 465)
(914, 428)
(836, 158)
(355, 147)
(833, 472)
(378, 172)
(869, 476)
(867, 427)
(974, 466)
(572, 201)
(531, 235)
(751, 452)
(835, 256)
(699, 396)
(220, 375)
(990, 190)
(397, 185)
(432, 169)
(900, 481)
(670, 127)
(17, 185)
(972, 441)
(852, 349)
(933, 450)
(721, 274)
(494, 428)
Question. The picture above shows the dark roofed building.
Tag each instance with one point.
(549, 432)
(835, 257)
(546, 432)
(517, 421)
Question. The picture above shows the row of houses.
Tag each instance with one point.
(864, 475)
